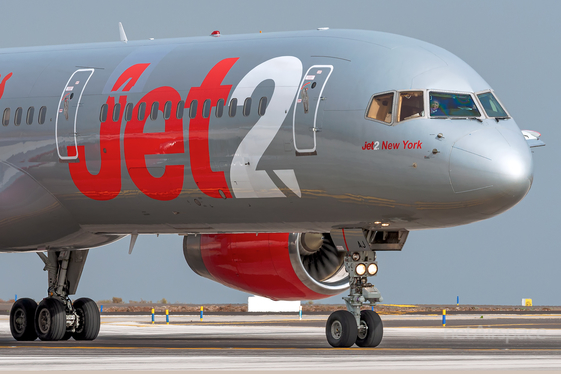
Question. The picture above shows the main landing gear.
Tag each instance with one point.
(355, 326)
(56, 317)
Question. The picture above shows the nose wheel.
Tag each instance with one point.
(364, 328)
(341, 329)
(371, 329)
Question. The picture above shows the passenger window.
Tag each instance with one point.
(233, 107)
(128, 112)
(247, 107)
(103, 113)
(42, 115)
(6, 117)
(206, 108)
(167, 110)
(29, 118)
(154, 111)
(141, 111)
(381, 107)
(262, 106)
(17, 116)
(219, 108)
(116, 112)
(193, 109)
(180, 109)
(411, 105)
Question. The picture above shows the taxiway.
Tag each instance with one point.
(285, 343)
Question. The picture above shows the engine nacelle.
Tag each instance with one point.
(287, 266)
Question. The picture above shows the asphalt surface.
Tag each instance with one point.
(285, 343)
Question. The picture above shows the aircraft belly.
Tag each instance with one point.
(31, 217)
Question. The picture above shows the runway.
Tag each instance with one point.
(285, 343)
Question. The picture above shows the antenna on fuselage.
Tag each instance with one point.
(122, 34)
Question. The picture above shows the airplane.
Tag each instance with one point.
(286, 161)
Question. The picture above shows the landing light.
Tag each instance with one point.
(372, 269)
(385, 224)
(356, 256)
(360, 269)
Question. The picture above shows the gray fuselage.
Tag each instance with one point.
(274, 167)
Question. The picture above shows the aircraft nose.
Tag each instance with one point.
(496, 162)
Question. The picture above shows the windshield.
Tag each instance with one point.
(411, 105)
(443, 104)
(491, 105)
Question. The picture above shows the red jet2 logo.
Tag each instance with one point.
(246, 181)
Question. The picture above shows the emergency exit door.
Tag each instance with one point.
(67, 114)
(307, 106)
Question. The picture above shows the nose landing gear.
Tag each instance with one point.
(56, 317)
(353, 326)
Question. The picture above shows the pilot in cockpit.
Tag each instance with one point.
(435, 109)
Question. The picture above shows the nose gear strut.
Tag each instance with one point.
(355, 326)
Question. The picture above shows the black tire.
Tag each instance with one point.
(89, 319)
(374, 332)
(22, 317)
(50, 320)
(341, 329)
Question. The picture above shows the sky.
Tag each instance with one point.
(514, 45)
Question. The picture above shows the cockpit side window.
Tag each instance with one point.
(381, 107)
(411, 105)
(491, 105)
(444, 104)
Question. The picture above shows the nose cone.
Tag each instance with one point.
(495, 164)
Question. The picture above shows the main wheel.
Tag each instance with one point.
(50, 320)
(371, 335)
(22, 316)
(341, 329)
(89, 319)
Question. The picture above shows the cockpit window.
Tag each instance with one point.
(491, 105)
(444, 104)
(381, 107)
(411, 105)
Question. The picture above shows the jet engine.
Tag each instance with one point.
(280, 266)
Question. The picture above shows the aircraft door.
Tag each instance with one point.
(307, 107)
(67, 114)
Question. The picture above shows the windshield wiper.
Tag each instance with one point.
(499, 118)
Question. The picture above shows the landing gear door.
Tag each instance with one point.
(67, 114)
(307, 107)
